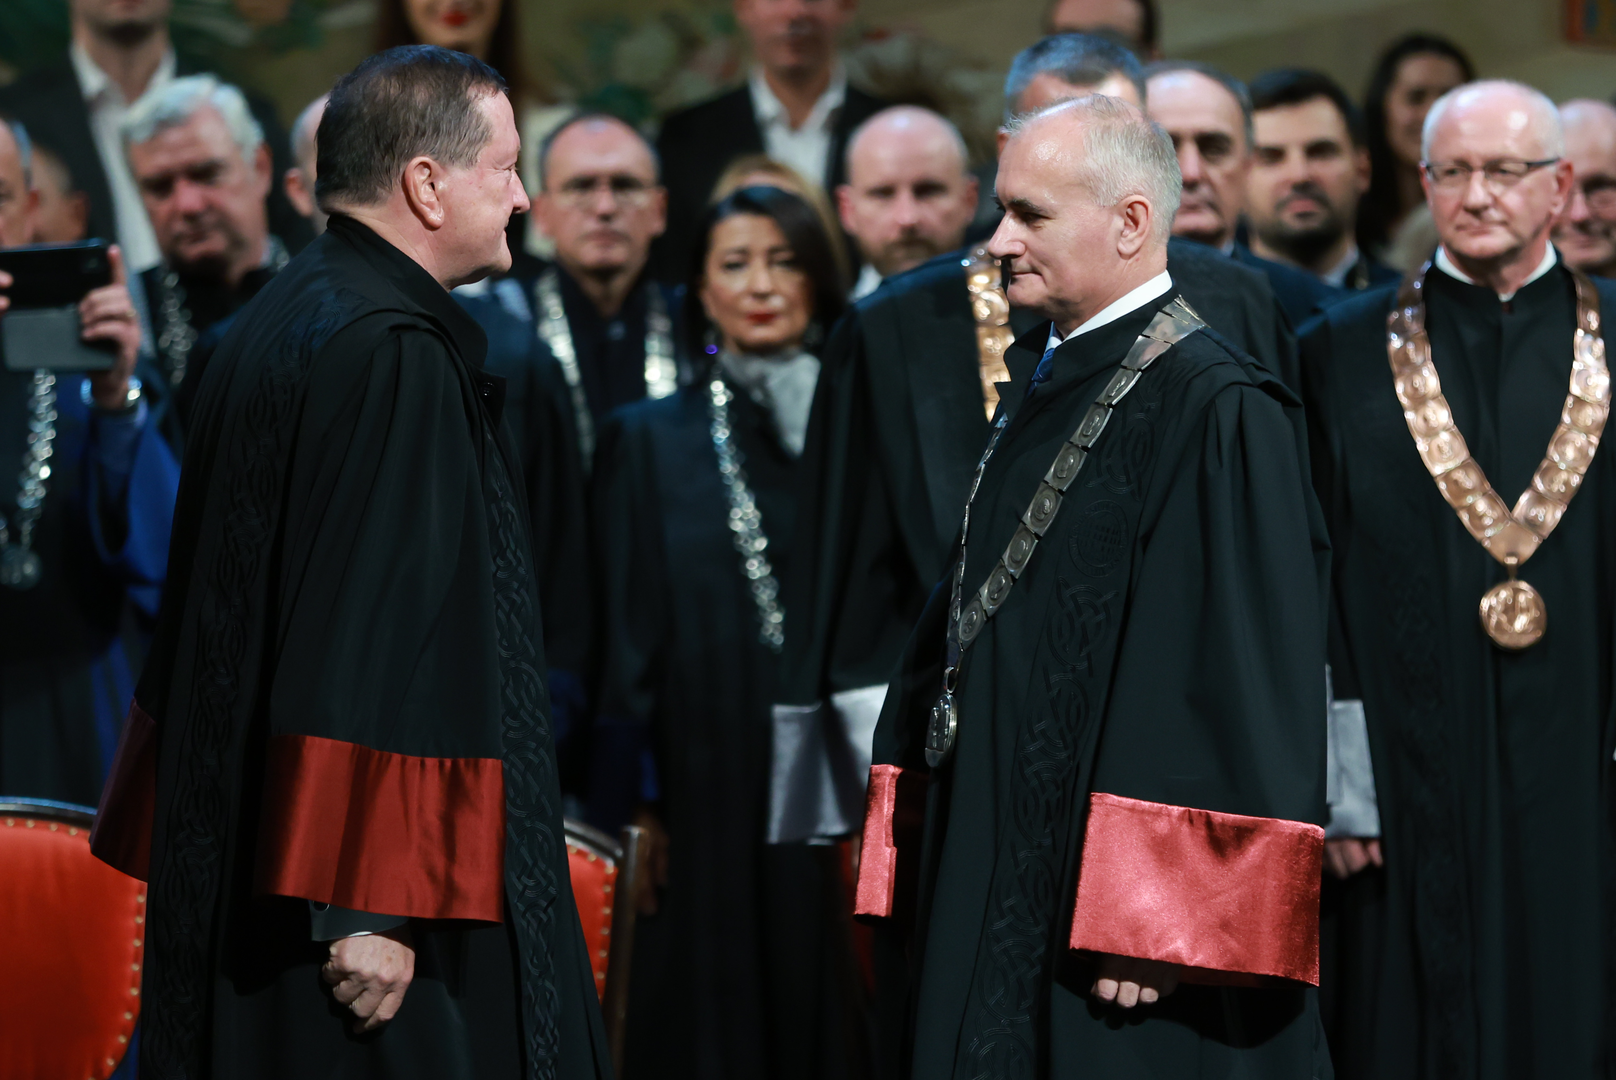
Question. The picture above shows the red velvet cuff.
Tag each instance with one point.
(1229, 895)
(894, 807)
(386, 833)
(123, 823)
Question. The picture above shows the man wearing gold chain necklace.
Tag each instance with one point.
(1091, 825)
(1456, 422)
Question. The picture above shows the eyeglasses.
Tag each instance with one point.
(1498, 176)
(581, 192)
(1600, 192)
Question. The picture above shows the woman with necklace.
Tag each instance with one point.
(742, 964)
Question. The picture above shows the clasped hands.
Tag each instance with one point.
(1126, 981)
(370, 974)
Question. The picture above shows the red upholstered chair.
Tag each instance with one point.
(72, 935)
(605, 879)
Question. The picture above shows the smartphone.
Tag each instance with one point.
(41, 329)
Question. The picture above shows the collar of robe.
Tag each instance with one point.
(783, 385)
(1512, 613)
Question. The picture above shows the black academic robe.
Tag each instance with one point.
(1300, 293)
(211, 302)
(745, 970)
(1165, 643)
(1484, 949)
(50, 103)
(698, 143)
(345, 703)
(538, 412)
(897, 428)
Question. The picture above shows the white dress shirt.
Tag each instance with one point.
(869, 280)
(107, 110)
(1154, 289)
(805, 148)
(1445, 264)
(1337, 275)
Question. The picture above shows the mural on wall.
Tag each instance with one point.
(1591, 22)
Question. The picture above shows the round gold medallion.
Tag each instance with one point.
(1513, 614)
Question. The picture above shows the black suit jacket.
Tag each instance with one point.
(1300, 293)
(698, 143)
(50, 104)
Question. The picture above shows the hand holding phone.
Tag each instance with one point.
(42, 322)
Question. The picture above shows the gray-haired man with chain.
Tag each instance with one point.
(203, 171)
(1101, 762)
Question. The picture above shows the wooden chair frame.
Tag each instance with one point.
(628, 855)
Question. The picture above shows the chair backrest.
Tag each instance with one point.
(605, 883)
(593, 859)
(72, 934)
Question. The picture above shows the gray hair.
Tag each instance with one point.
(1546, 124)
(182, 99)
(25, 150)
(1082, 60)
(304, 129)
(1234, 86)
(1124, 153)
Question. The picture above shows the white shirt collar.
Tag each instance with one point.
(1337, 275)
(1446, 265)
(1154, 289)
(768, 109)
(869, 280)
(93, 82)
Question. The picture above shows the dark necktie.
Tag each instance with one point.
(1045, 367)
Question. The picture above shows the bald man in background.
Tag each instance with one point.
(909, 195)
(1586, 233)
(299, 179)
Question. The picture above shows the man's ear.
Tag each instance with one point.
(659, 211)
(1137, 217)
(263, 170)
(422, 178)
(844, 206)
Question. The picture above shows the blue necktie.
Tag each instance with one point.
(1045, 366)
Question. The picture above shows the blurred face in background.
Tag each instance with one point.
(1209, 135)
(753, 289)
(794, 37)
(128, 22)
(300, 178)
(908, 196)
(1586, 233)
(204, 198)
(1306, 178)
(1046, 88)
(16, 200)
(1490, 222)
(64, 213)
(601, 203)
(463, 25)
(1421, 79)
(1125, 18)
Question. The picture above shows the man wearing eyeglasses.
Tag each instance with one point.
(1586, 234)
(1472, 513)
(608, 323)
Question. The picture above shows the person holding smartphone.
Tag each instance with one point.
(86, 493)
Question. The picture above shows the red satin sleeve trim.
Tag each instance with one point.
(121, 837)
(386, 833)
(893, 809)
(1223, 893)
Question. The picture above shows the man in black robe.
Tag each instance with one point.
(338, 775)
(1120, 677)
(899, 422)
(1482, 948)
(610, 325)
